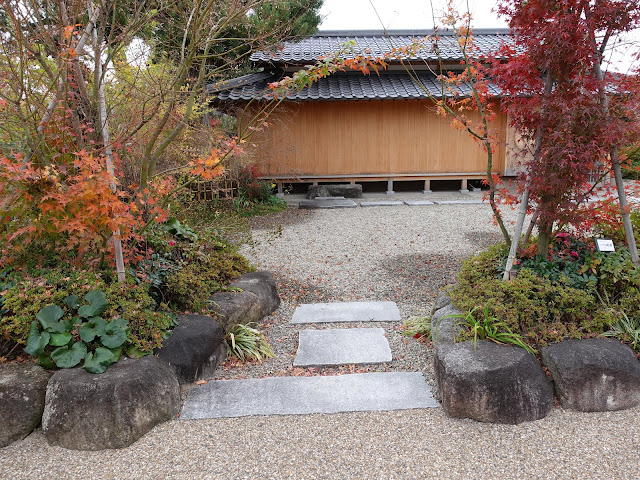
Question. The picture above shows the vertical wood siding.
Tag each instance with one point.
(326, 138)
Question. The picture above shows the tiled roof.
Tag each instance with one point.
(348, 86)
(376, 43)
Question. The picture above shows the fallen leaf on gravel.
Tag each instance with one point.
(201, 382)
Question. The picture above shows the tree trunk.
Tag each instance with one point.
(544, 239)
(106, 140)
(524, 201)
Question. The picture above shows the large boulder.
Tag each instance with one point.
(594, 375)
(345, 190)
(195, 347)
(22, 393)
(111, 410)
(444, 328)
(492, 383)
(233, 308)
(263, 286)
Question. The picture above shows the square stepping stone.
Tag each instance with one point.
(360, 392)
(381, 204)
(327, 202)
(346, 312)
(458, 202)
(342, 346)
(417, 203)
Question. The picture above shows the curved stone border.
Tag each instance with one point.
(112, 410)
(505, 384)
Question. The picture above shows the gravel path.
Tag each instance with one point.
(404, 254)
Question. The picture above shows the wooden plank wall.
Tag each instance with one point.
(376, 137)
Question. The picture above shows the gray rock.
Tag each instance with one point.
(320, 203)
(342, 346)
(594, 375)
(233, 308)
(262, 285)
(360, 392)
(444, 330)
(22, 393)
(442, 300)
(344, 190)
(493, 383)
(111, 410)
(196, 346)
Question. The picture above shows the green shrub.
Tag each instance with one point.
(64, 339)
(129, 301)
(533, 306)
(204, 268)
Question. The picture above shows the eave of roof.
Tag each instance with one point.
(349, 86)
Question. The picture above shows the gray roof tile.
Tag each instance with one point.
(347, 86)
(376, 43)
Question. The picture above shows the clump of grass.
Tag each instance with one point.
(247, 343)
(626, 329)
(417, 327)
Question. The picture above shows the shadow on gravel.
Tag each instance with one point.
(482, 240)
(422, 274)
(290, 216)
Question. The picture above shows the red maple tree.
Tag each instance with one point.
(574, 118)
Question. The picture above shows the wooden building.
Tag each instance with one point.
(351, 127)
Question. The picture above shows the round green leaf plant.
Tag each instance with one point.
(79, 335)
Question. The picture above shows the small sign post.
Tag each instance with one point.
(605, 245)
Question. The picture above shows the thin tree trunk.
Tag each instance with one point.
(78, 50)
(615, 163)
(524, 201)
(106, 140)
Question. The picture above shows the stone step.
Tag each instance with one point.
(378, 391)
(327, 202)
(346, 312)
(381, 203)
(459, 202)
(342, 346)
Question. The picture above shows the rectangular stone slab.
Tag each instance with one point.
(458, 202)
(418, 203)
(378, 391)
(342, 346)
(327, 203)
(380, 204)
(346, 312)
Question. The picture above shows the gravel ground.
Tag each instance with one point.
(404, 254)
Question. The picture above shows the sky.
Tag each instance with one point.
(399, 14)
(416, 14)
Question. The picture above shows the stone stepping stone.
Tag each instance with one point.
(346, 312)
(382, 203)
(418, 203)
(361, 392)
(458, 202)
(326, 202)
(342, 346)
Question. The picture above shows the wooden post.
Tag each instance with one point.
(427, 187)
(463, 186)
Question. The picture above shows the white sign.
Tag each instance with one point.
(605, 245)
